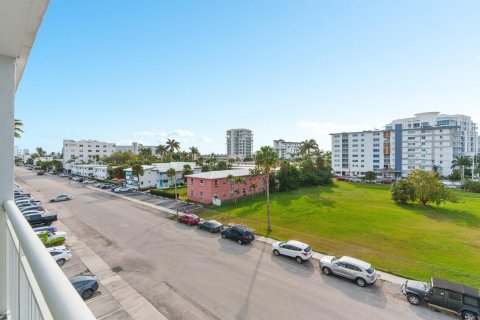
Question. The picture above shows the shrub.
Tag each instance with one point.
(162, 193)
(50, 243)
(472, 186)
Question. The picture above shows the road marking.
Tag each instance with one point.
(109, 314)
(98, 298)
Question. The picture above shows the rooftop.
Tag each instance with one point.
(222, 174)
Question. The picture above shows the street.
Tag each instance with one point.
(191, 274)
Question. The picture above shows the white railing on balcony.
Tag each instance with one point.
(36, 287)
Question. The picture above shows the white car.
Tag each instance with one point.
(53, 235)
(89, 181)
(122, 189)
(62, 197)
(60, 255)
(359, 271)
(292, 248)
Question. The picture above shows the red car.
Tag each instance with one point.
(189, 219)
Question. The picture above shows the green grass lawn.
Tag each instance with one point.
(362, 221)
(182, 191)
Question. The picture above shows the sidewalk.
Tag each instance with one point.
(168, 212)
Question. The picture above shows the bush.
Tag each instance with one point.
(472, 186)
(162, 193)
(50, 243)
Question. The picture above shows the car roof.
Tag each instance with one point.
(76, 279)
(454, 286)
(213, 222)
(355, 261)
(297, 244)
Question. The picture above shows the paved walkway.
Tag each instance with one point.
(168, 212)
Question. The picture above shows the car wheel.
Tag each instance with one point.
(275, 252)
(87, 294)
(413, 299)
(360, 282)
(61, 262)
(469, 316)
(327, 271)
(299, 260)
(240, 242)
(224, 236)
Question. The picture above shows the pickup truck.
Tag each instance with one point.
(39, 219)
(459, 298)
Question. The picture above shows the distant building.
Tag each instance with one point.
(85, 151)
(426, 140)
(239, 143)
(90, 170)
(135, 148)
(286, 150)
(155, 175)
(207, 187)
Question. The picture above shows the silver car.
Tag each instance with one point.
(351, 268)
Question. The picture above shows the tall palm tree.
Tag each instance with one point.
(267, 159)
(137, 171)
(186, 171)
(231, 179)
(194, 153)
(161, 150)
(462, 162)
(239, 181)
(173, 174)
(307, 146)
(17, 129)
(172, 146)
(231, 161)
(211, 161)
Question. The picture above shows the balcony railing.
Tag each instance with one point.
(36, 286)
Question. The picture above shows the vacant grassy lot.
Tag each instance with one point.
(360, 220)
(182, 191)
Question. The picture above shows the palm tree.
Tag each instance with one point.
(266, 158)
(145, 153)
(17, 129)
(211, 161)
(194, 153)
(186, 171)
(161, 150)
(462, 162)
(40, 152)
(308, 145)
(171, 173)
(137, 171)
(231, 179)
(172, 146)
(239, 181)
(231, 161)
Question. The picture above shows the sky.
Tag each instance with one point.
(145, 71)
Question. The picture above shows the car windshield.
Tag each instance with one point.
(370, 270)
(334, 259)
(308, 249)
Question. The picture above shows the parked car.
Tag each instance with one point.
(239, 233)
(462, 299)
(62, 197)
(359, 271)
(295, 249)
(40, 173)
(88, 181)
(39, 219)
(28, 212)
(60, 255)
(32, 207)
(210, 225)
(47, 228)
(122, 189)
(85, 285)
(189, 219)
(106, 186)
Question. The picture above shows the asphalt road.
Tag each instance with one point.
(191, 274)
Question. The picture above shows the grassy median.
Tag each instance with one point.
(361, 220)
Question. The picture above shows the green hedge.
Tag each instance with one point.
(162, 193)
(52, 243)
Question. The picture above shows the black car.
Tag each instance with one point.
(85, 285)
(239, 233)
(210, 225)
(457, 297)
(38, 219)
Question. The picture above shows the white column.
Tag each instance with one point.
(7, 97)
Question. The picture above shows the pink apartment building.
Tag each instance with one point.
(206, 186)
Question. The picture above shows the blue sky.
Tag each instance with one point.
(123, 71)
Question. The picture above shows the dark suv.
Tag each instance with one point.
(453, 296)
(239, 233)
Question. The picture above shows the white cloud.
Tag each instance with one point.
(206, 139)
(183, 133)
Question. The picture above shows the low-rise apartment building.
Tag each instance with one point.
(427, 141)
(85, 151)
(90, 170)
(213, 186)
